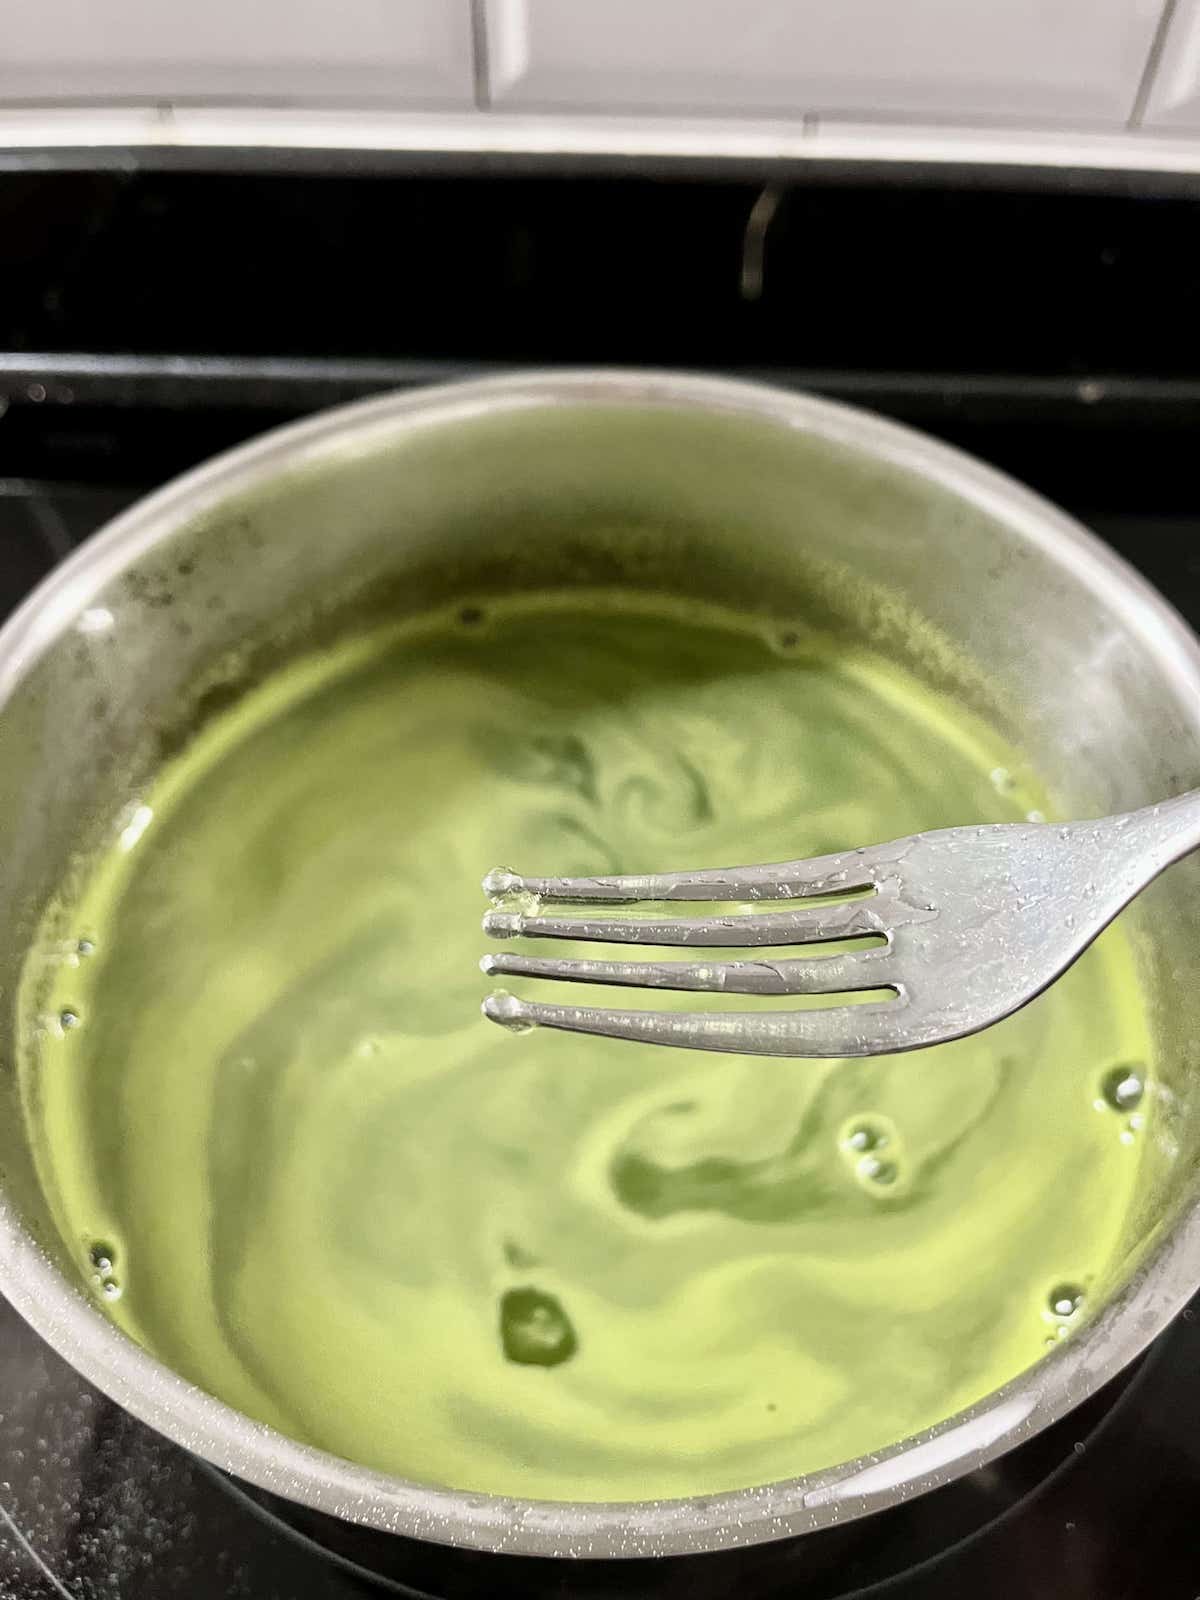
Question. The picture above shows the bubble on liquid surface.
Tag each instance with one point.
(102, 1256)
(1002, 780)
(535, 1331)
(68, 1018)
(1064, 1300)
(874, 1171)
(1123, 1087)
(85, 948)
(865, 1133)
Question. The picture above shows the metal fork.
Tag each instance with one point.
(969, 925)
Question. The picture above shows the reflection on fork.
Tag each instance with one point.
(968, 925)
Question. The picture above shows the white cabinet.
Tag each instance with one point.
(1174, 100)
(1074, 61)
(396, 51)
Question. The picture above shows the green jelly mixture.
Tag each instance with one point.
(291, 1158)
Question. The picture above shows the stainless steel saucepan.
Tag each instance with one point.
(804, 511)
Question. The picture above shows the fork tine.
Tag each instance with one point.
(811, 925)
(783, 880)
(857, 970)
(824, 1035)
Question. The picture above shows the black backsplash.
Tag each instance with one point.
(865, 278)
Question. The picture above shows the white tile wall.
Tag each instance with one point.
(885, 67)
(1027, 60)
(1175, 97)
(400, 51)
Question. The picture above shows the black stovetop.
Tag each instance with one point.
(147, 319)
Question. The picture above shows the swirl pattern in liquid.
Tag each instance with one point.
(291, 1158)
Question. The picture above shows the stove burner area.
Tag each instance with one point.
(96, 1504)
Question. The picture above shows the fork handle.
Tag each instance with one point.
(1165, 832)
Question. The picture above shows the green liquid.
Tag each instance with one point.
(291, 1158)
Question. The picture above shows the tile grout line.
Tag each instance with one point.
(481, 78)
(1153, 60)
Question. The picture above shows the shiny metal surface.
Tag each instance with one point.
(808, 513)
(978, 921)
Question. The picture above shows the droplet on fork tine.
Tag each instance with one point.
(508, 1011)
(501, 882)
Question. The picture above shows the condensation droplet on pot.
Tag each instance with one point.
(96, 619)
